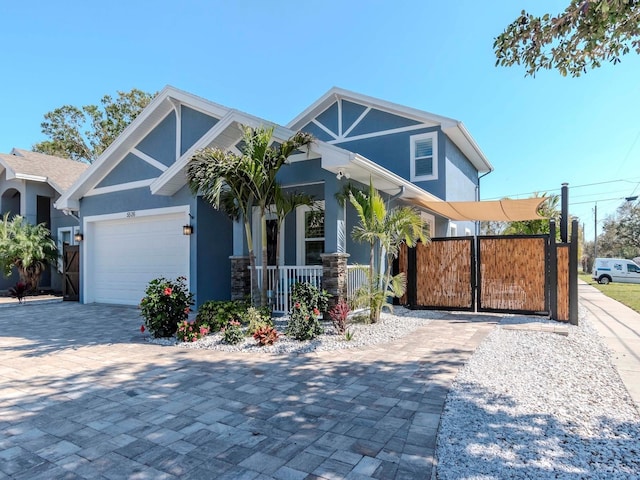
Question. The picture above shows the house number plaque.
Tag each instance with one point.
(131, 214)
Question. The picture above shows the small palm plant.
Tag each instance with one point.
(385, 230)
(28, 248)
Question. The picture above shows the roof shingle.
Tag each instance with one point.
(59, 172)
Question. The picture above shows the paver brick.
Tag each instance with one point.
(97, 401)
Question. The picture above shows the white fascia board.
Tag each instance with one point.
(70, 205)
(26, 176)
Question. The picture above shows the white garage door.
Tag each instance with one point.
(124, 255)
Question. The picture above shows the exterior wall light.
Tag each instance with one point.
(78, 237)
(187, 230)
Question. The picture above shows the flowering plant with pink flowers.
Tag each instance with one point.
(304, 317)
(191, 331)
(166, 304)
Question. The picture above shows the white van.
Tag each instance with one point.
(606, 270)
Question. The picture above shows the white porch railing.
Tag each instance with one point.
(356, 277)
(281, 282)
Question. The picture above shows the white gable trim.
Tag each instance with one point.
(380, 133)
(150, 160)
(336, 93)
(161, 185)
(161, 106)
(358, 120)
(454, 129)
(120, 187)
(323, 128)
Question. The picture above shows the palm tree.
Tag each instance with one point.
(237, 183)
(26, 247)
(224, 180)
(550, 209)
(385, 230)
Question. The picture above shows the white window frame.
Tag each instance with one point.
(300, 230)
(434, 163)
(72, 236)
(453, 230)
(430, 221)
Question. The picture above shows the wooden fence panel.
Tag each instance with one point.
(512, 274)
(403, 268)
(563, 282)
(444, 274)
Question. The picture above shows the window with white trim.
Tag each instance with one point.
(310, 227)
(66, 236)
(430, 223)
(453, 230)
(424, 157)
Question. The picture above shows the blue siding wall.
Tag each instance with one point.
(130, 169)
(457, 158)
(214, 236)
(377, 120)
(317, 132)
(311, 171)
(393, 152)
(350, 113)
(194, 125)
(134, 199)
(160, 144)
(329, 118)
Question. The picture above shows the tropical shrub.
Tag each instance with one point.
(232, 332)
(28, 248)
(257, 318)
(266, 335)
(191, 331)
(311, 296)
(308, 302)
(216, 313)
(165, 305)
(339, 315)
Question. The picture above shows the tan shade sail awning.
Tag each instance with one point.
(506, 210)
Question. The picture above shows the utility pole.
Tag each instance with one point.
(595, 234)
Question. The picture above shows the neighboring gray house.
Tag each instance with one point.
(134, 202)
(30, 184)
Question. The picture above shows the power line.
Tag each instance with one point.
(548, 190)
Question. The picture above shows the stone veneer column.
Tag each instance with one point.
(240, 277)
(334, 276)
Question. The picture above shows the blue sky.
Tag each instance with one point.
(273, 59)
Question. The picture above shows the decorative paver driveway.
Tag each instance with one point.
(83, 396)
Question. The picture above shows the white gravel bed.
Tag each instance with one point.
(539, 405)
(391, 326)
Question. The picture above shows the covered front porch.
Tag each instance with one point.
(282, 279)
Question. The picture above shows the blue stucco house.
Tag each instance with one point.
(30, 184)
(133, 202)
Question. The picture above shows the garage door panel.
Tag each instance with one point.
(128, 253)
